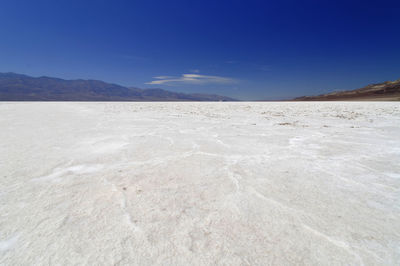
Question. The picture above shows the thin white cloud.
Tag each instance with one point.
(163, 77)
(191, 79)
(195, 71)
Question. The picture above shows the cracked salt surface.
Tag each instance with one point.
(200, 183)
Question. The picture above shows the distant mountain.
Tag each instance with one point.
(386, 91)
(17, 87)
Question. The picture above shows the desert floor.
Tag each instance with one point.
(242, 183)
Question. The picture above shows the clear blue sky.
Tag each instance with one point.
(244, 49)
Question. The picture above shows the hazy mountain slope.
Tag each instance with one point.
(389, 90)
(17, 87)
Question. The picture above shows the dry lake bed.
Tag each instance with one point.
(283, 183)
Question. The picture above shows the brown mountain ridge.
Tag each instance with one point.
(386, 91)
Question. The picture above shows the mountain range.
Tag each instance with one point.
(18, 87)
(386, 91)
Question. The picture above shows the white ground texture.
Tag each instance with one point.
(200, 183)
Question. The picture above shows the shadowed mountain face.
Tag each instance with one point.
(386, 91)
(16, 87)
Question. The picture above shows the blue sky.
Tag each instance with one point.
(244, 49)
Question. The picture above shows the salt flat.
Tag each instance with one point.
(200, 183)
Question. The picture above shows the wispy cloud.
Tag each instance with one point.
(191, 79)
(163, 77)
